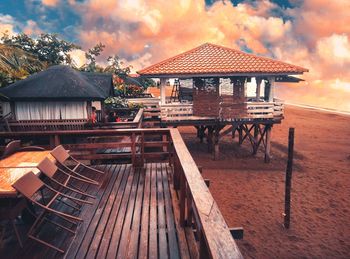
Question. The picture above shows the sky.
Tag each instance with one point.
(309, 33)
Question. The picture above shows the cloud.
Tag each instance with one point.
(31, 28)
(78, 57)
(50, 3)
(313, 34)
(7, 24)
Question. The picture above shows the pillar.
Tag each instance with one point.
(272, 89)
(258, 88)
(162, 90)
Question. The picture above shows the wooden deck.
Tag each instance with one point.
(133, 217)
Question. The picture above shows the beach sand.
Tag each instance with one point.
(250, 193)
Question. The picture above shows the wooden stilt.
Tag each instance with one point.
(289, 171)
(201, 133)
(267, 143)
(256, 139)
(216, 144)
(210, 139)
(240, 135)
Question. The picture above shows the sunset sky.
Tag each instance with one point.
(311, 33)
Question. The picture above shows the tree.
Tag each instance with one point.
(47, 47)
(91, 55)
(16, 64)
(117, 67)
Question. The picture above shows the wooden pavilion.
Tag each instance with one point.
(220, 97)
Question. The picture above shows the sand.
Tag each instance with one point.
(250, 193)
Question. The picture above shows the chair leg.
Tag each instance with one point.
(17, 234)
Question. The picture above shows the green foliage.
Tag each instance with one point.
(116, 66)
(47, 47)
(147, 82)
(91, 55)
(116, 102)
(16, 64)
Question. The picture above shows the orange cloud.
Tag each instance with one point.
(50, 3)
(144, 32)
(31, 28)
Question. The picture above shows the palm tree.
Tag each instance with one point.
(16, 64)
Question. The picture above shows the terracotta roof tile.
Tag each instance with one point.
(213, 59)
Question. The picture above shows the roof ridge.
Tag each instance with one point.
(257, 56)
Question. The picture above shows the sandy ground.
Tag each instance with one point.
(250, 193)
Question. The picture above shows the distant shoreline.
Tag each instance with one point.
(329, 110)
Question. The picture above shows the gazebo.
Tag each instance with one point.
(221, 77)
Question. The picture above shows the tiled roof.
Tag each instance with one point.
(210, 59)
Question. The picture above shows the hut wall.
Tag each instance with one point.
(206, 104)
(50, 110)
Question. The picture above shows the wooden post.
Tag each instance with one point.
(162, 90)
(289, 171)
(256, 139)
(258, 87)
(201, 133)
(216, 144)
(272, 88)
(133, 150)
(268, 144)
(210, 139)
(240, 135)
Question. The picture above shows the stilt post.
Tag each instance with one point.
(289, 171)
(268, 144)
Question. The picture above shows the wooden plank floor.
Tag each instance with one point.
(134, 216)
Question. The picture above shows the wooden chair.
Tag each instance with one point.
(62, 156)
(31, 187)
(62, 179)
(15, 146)
(11, 148)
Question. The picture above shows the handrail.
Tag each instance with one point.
(212, 226)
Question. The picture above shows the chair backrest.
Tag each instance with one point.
(60, 154)
(11, 148)
(28, 184)
(47, 167)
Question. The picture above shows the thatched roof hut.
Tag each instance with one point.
(59, 92)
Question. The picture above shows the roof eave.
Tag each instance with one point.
(187, 75)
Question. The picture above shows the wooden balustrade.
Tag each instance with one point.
(198, 206)
(176, 111)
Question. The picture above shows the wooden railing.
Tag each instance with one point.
(197, 205)
(47, 125)
(260, 110)
(176, 111)
(278, 110)
(71, 124)
(150, 102)
(135, 123)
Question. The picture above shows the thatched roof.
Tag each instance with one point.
(61, 83)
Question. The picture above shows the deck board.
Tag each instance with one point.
(132, 217)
